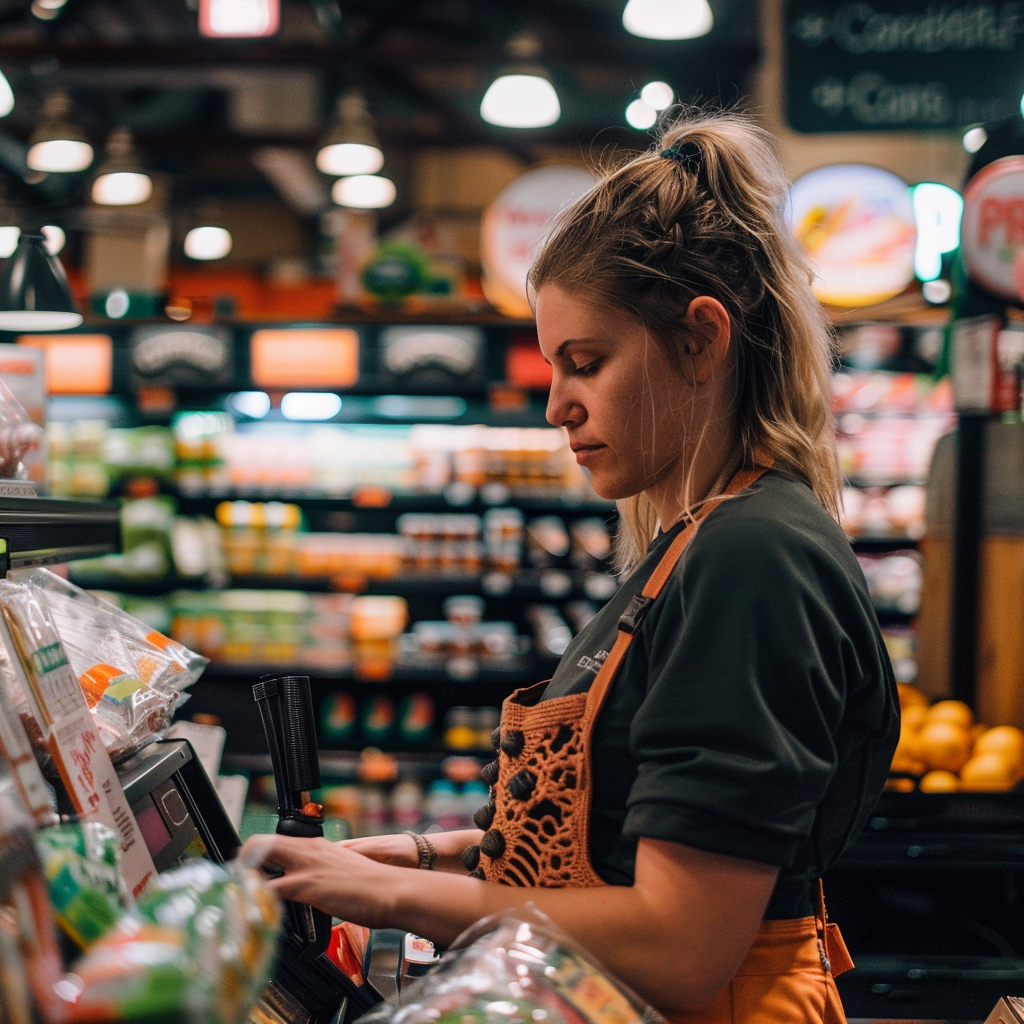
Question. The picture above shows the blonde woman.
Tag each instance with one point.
(715, 737)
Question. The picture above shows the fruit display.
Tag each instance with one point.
(942, 748)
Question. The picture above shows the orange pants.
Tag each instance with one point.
(781, 981)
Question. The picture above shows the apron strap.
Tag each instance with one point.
(630, 620)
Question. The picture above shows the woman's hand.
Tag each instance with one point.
(326, 875)
(400, 851)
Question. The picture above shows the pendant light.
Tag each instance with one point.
(120, 180)
(668, 19)
(522, 96)
(58, 146)
(351, 145)
(364, 192)
(239, 18)
(9, 230)
(34, 290)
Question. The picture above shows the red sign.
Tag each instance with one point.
(992, 230)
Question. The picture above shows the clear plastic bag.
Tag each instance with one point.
(18, 435)
(516, 968)
(133, 676)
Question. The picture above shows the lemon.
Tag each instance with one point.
(955, 711)
(939, 782)
(943, 745)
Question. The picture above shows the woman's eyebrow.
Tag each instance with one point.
(560, 351)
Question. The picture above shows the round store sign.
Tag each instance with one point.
(514, 226)
(856, 225)
(992, 233)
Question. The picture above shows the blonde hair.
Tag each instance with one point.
(657, 231)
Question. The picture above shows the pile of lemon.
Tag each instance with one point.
(946, 749)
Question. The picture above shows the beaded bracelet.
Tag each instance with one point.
(427, 850)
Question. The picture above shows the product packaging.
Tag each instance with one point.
(80, 860)
(59, 713)
(198, 950)
(516, 968)
(18, 436)
(133, 677)
(30, 960)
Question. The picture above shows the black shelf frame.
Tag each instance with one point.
(46, 531)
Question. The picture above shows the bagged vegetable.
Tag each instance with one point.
(198, 950)
(133, 677)
(516, 968)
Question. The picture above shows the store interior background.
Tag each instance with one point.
(412, 639)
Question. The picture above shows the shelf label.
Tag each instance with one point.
(182, 354)
(305, 357)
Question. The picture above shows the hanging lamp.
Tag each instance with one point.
(58, 145)
(668, 19)
(120, 180)
(351, 145)
(522, 95)
(34, 290)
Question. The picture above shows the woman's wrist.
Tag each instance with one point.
(425, 850)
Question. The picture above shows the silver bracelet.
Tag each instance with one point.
(427, 850)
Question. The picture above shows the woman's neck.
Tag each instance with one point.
(708, 478)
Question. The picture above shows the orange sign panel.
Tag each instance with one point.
(304, 357)
(75, 364)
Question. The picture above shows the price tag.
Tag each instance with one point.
(496, 584)
(371, 497)
(555, 584)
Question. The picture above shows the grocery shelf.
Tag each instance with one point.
(44, 531)
(344, 764)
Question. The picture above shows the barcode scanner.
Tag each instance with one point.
(307, 988)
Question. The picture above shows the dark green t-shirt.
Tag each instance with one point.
(755, 713)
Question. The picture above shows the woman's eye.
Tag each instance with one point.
(587, 369)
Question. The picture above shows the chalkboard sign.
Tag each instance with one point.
(902, 65)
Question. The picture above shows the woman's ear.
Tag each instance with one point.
(708, 320)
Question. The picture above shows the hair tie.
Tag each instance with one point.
(687, 153)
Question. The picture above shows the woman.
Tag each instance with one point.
(714, 738)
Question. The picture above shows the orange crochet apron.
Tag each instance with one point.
(537, 831)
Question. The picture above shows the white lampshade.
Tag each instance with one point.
(208, 243)
(122, 188)
(640, 115)
(6, 96)
(345, 158)
(520, 101)
(668, 19)
(239, 17)
(59, 156)
(364, 192)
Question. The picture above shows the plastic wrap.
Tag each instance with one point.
(133, 676)
(80, 860)
(516, 968)
(18, 435)
(198, 950)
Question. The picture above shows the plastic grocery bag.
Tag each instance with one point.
(516, 968)
(133, 676)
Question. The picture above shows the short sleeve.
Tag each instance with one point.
(749, 662)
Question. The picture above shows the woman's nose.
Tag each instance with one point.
(561, 410)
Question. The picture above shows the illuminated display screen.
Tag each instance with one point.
(305, 358)
(75, 364)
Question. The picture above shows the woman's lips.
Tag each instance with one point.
(587, 452)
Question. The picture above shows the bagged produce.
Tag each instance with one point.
(516, 968)
(198, 950)
(133, 677)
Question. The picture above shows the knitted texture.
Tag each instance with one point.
(542, 796)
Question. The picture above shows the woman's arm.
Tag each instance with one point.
(677, 935)
(401, 850)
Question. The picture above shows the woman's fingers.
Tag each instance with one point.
(285, 852)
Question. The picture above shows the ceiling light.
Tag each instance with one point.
(254, 405)
(238, 18)
(6, 96)
(58, 146)
(521, 96)
(364, 192)
(34, 290)
(640, 115)
(351, 146)
(975, 138)
(120, 181)
(54, 238)
(657, 95)
(208, 242)
(937, 292)
(668, 19)
(310, 405)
